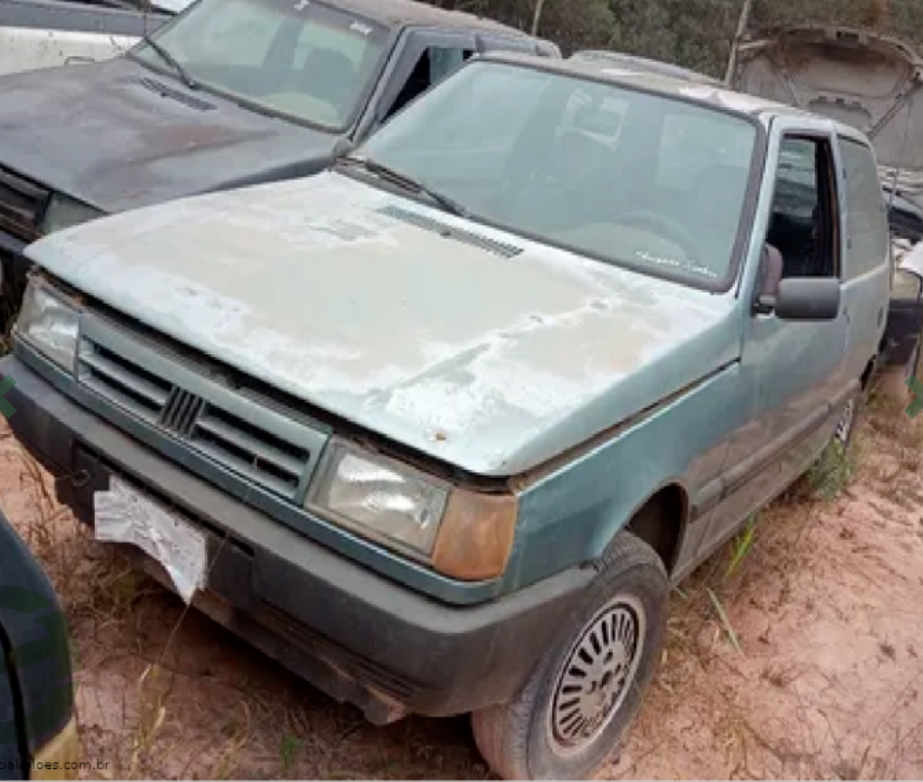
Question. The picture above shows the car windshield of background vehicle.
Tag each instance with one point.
(304, 60)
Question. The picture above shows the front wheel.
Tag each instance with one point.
(585, 692)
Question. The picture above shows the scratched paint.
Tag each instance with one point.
(478, 359)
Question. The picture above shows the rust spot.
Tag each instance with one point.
(441, 437)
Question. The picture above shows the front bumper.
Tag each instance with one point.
(353, 633)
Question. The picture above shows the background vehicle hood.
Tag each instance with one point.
(867, 80)
(103, 133)
(319, 287)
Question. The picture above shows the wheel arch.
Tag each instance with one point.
(660, 521)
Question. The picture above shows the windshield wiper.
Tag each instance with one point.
(170, 60)
(408, 183)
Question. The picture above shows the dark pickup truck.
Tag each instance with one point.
(228, 93)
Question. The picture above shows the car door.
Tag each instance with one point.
(794, 369)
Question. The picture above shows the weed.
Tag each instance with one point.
(153, 712)
(288, 750)
(726, 622)
(742, 545)
(833, 471)
(240, 736)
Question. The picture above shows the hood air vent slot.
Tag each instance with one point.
(166, 91)
(447, 231)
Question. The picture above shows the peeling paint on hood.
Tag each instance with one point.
(490, 363)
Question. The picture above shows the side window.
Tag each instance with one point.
(866, 215)
(804, 222)
(434, 65)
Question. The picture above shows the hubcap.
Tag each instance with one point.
(597, 675)
(844, 427)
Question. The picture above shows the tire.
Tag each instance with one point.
(532, 736)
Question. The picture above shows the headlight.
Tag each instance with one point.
(63, 212)
(49, 324)
(462, 534)
(383, 498)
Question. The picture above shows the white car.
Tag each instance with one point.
(50, 33)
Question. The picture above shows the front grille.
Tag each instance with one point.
(122, 382)
(21, 205)
(255, 454)
(265, 458)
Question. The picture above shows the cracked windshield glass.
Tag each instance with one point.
(307, 61)
(652, 183)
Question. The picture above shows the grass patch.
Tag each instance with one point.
(833, 471)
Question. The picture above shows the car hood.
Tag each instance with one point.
(479, 348)
(105, 133)
(867, 80)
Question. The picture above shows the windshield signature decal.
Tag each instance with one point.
(660, 260)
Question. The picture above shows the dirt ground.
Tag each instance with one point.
(795, 652)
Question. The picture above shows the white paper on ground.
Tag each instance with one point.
(912, 259)
(125, 515)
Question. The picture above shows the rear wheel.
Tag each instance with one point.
(585, 692)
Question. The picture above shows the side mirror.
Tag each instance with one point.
(804, 298)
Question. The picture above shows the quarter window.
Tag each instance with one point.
(866, 215)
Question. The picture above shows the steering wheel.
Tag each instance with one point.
(663, 225)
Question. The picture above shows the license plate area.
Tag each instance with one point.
(128, 515)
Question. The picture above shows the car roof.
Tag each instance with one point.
(707, 94)
(403, 13)
(602, 59)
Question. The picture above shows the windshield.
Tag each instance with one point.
(305, 60)
(653, 183)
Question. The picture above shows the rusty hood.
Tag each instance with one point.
(870, 81)
(117, 136)
(477, 347)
